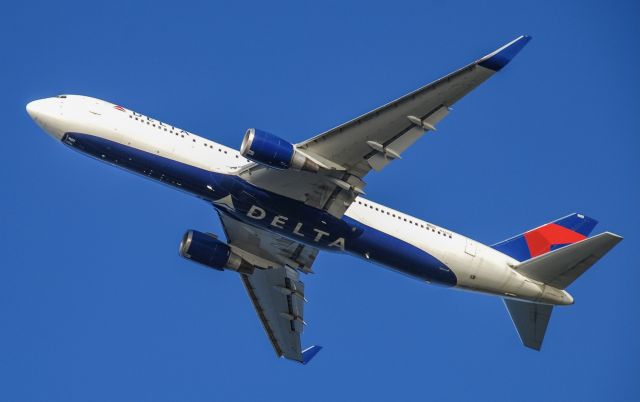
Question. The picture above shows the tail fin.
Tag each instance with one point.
(558, 268)
(555, 254)
(546, 238)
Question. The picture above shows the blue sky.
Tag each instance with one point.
(95, 303)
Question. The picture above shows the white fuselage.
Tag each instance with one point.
(477, 267)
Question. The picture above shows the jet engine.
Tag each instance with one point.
(207, 250)
(271, 150)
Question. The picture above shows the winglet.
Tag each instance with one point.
(501, 57)
(309, 353)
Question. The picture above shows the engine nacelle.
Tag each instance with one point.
(271, 150)
(211, 252)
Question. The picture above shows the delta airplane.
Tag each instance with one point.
(281, 203)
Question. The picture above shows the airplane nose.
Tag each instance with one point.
(47, 113)
(34, 108)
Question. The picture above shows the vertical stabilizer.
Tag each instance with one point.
(568, 230)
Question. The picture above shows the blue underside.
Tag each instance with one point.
(307, 222)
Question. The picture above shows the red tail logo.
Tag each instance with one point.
(540, 240)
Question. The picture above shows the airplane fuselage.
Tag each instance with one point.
(209, 171)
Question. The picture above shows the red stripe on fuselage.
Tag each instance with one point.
(540, 240)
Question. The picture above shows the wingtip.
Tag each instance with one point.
(497, 60)
(616, 236)
(309, 353)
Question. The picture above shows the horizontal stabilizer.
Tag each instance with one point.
(530, 320)
(559, 268)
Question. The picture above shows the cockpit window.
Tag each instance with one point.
(61, 96)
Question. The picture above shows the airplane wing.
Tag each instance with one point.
(348, 152)
(275, 289)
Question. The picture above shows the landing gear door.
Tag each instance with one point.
(470, 248)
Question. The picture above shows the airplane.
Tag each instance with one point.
(281, 203)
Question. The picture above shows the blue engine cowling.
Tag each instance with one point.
(209, 251)
(271, 150)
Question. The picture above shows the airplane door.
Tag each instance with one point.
(470, 248)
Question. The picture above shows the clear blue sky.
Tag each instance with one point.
(96, 304)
